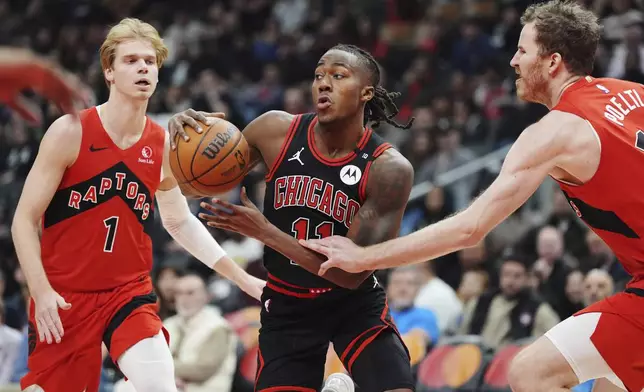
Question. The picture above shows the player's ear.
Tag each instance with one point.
(555, 61)
(109, 74)
(367, 94)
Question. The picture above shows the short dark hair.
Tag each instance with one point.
(567, 28)
(381, 107)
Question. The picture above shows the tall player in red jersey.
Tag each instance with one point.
(92, 191)
(593, 135)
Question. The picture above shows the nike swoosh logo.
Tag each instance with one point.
(94, 149)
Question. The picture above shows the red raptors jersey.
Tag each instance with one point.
(96, 230)
(612, 202)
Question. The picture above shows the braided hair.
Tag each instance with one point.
(382, 106)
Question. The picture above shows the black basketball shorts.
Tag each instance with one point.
(296, 332)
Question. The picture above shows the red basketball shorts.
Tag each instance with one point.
(120, 318)
(606, 340)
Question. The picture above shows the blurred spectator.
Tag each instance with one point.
(511, 312)
(437, 296)
(598, 285)
(552, 270)
(9, 345)
(403, 286)
(602, 257)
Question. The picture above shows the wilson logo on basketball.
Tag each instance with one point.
(216, 144)
(146, 155)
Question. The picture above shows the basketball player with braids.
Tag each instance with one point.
(328, 173)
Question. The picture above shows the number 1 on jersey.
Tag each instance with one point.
(301, 227)
(111, 224)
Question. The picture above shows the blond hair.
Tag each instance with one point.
(128, 29)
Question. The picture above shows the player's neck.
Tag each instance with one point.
(567, 80)
(340, 136)
(123, 114)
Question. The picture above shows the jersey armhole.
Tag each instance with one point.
(362, 190)
(287, 142)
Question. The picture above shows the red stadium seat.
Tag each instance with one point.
(454, 364)
(248, 364)
(496, 376)
(243, 318)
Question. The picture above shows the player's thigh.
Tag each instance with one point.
(130, 314)
(78, 353)
(564, 357)
(383, 365)
(291, 358)
(368, 344)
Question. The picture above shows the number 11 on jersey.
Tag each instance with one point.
(111, 224)
(301, 227)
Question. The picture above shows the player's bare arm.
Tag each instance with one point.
(560, 141)
(58, 150)
(389, 184)
(188, 231)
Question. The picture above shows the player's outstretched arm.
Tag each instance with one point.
(539, 149)
(58, 150)
(190, 233)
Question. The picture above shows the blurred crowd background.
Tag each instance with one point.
(448, 58)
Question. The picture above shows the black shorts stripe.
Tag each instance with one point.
(125, 311)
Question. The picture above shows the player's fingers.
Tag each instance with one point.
(245, 200)
(192, 123)
(223, 205)
(214, 114)
(216, 210)
(315, 246)
(58, 330)
(62, 303)
(198, 116)
(54, 325)
(46, 327)
(324, 267)
(41, 330)
(176, 129)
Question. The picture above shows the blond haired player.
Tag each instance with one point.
(92, 190)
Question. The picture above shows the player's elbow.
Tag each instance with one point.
(470, 233)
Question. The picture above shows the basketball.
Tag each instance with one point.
(212, 162)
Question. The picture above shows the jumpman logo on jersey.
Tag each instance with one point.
(296, 157)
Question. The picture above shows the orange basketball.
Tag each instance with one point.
(212, 162)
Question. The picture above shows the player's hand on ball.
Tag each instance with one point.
(244, 219)
(341, 253)
(191, 118)
(48, 322)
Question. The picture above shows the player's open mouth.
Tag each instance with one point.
(323, 103)
(143, 83)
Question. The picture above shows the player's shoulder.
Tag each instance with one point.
(270, 125)
(393, 159)
(390, 176)
(67, 128)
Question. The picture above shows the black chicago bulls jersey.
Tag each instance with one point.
(311, 196)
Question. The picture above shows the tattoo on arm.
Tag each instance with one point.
(390, 180)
